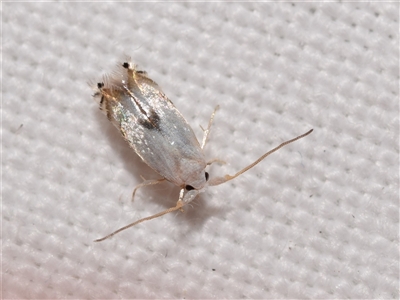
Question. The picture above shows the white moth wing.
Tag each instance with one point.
(153, 127)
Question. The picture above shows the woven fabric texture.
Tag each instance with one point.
(318, 219)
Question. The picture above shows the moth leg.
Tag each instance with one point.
(146, 183)
(217, 160)
(207, 131)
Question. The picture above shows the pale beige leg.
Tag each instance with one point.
(207, 131)
(146, 183)
(221, 162)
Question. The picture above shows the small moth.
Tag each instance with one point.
(159, 134)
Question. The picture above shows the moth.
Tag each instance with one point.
(159, 134)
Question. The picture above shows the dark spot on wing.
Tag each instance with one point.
(152, 121)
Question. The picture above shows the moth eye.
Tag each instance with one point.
(100, 85)
(189, 188)
(125, 65)
(207, 176)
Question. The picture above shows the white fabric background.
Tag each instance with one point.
(318, 219)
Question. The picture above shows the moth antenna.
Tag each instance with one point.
(226, 178)
(178, 206)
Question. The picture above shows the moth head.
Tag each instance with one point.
(189, 187)
(191, 191)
